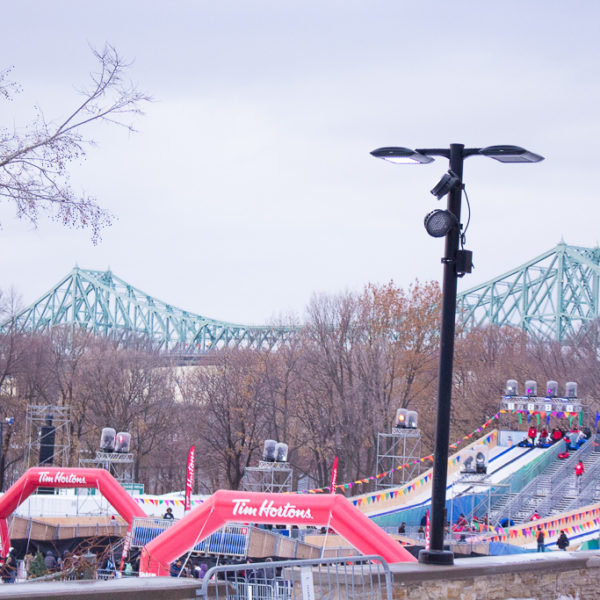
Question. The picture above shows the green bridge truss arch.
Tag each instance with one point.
(551, 296)
(101, 302)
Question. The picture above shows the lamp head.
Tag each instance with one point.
(510, 154)
(401, 156)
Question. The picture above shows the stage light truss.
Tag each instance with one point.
(538, 404)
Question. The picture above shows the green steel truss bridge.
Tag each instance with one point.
(551, 296)
(101, 302)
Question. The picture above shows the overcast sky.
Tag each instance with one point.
(249, 185)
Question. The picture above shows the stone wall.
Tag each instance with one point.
(544, 576)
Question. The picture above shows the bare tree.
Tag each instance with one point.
(34, 160)
(226, 414)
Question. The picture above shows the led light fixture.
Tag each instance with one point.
(446, 184)
(401, 156)
(439, 222)
(511, 154)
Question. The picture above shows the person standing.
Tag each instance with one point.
(175, 569)
(540, 540)
(579, 471)
(9, 568)
(563, 541)
(50, 562)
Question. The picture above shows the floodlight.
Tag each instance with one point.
(401, 156)
(123, 442)
(446, 184)
(269, 451)
(412, 419)
(530, 388)
(439, 222)
(511, 154)
(401, 418)
(281, 452)
(107, 439)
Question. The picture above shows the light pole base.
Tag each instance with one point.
(436, 557)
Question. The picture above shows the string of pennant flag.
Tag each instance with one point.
(420, 482)
(164, 502)
(388, 495)
(552, 528)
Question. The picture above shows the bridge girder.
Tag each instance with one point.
(550, 297)
(101, 302)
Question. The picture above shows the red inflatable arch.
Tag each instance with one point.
(36, 477)
(253, 507)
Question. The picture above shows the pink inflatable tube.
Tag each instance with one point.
(253, 507)
(36, 477)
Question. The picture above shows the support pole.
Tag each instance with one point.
(435, 554)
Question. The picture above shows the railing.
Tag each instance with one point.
(359, 578)
(589, 483)
(560, 479)
(230, 540)
(525, 483)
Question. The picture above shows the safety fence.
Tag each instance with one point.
(230, 540)
(359, 578)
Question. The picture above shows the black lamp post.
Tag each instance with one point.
(456, 263)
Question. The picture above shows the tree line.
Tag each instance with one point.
(357, 358)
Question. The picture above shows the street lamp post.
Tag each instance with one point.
(456, 263)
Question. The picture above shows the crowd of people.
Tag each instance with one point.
(573, 438)
(476, 524)
(193, 567)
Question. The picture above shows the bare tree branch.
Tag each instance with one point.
(34, 160)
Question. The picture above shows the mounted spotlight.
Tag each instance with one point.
(401, 156)
(439, 222)
(445, 185)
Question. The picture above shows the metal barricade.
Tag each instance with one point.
(145, 529)
(230, 540)
(356, 577)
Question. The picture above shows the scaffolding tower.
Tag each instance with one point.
(271, 477)
(118, 464)
(401, 447)
(47, 426)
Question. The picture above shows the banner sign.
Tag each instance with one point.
(334, 475)
(189, 480)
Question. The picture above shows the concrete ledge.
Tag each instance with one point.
(156, 588)
(547, 576)
(496, 565)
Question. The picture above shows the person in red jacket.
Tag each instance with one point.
(579, 471)
(532, 434)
